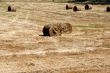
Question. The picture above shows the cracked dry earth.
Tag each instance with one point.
(23, 49)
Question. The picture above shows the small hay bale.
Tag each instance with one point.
(11, 9)
(68, 7)
(108, 9)
(87, 7)
(57, 29)
(75, 8)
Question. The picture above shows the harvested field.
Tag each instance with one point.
(23, 49)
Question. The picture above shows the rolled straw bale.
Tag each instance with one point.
(88, 7)
(57, 29)
(11, 9)
(108, 9)
(75, 8)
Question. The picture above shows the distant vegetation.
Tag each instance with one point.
(60, 1)
(89, 0)
(103, 2)
(82, 1)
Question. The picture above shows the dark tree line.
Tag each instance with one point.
(90, 0)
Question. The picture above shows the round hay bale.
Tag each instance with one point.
(66, 28)
(52, 30)
(87, 7)
(75, 8)
(108, 9)
(68, 7)
(57, 29)
(11, 9)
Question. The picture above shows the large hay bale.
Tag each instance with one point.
(87, 7)
(75, 8)
(57, 29)
(108, 9)
(11, 9)
(68, 7)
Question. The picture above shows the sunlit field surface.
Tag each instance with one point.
(23, 49)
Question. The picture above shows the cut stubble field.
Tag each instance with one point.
(23, 49)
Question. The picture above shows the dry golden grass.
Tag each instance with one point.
(24, 49)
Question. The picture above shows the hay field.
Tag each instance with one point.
(23, 49)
